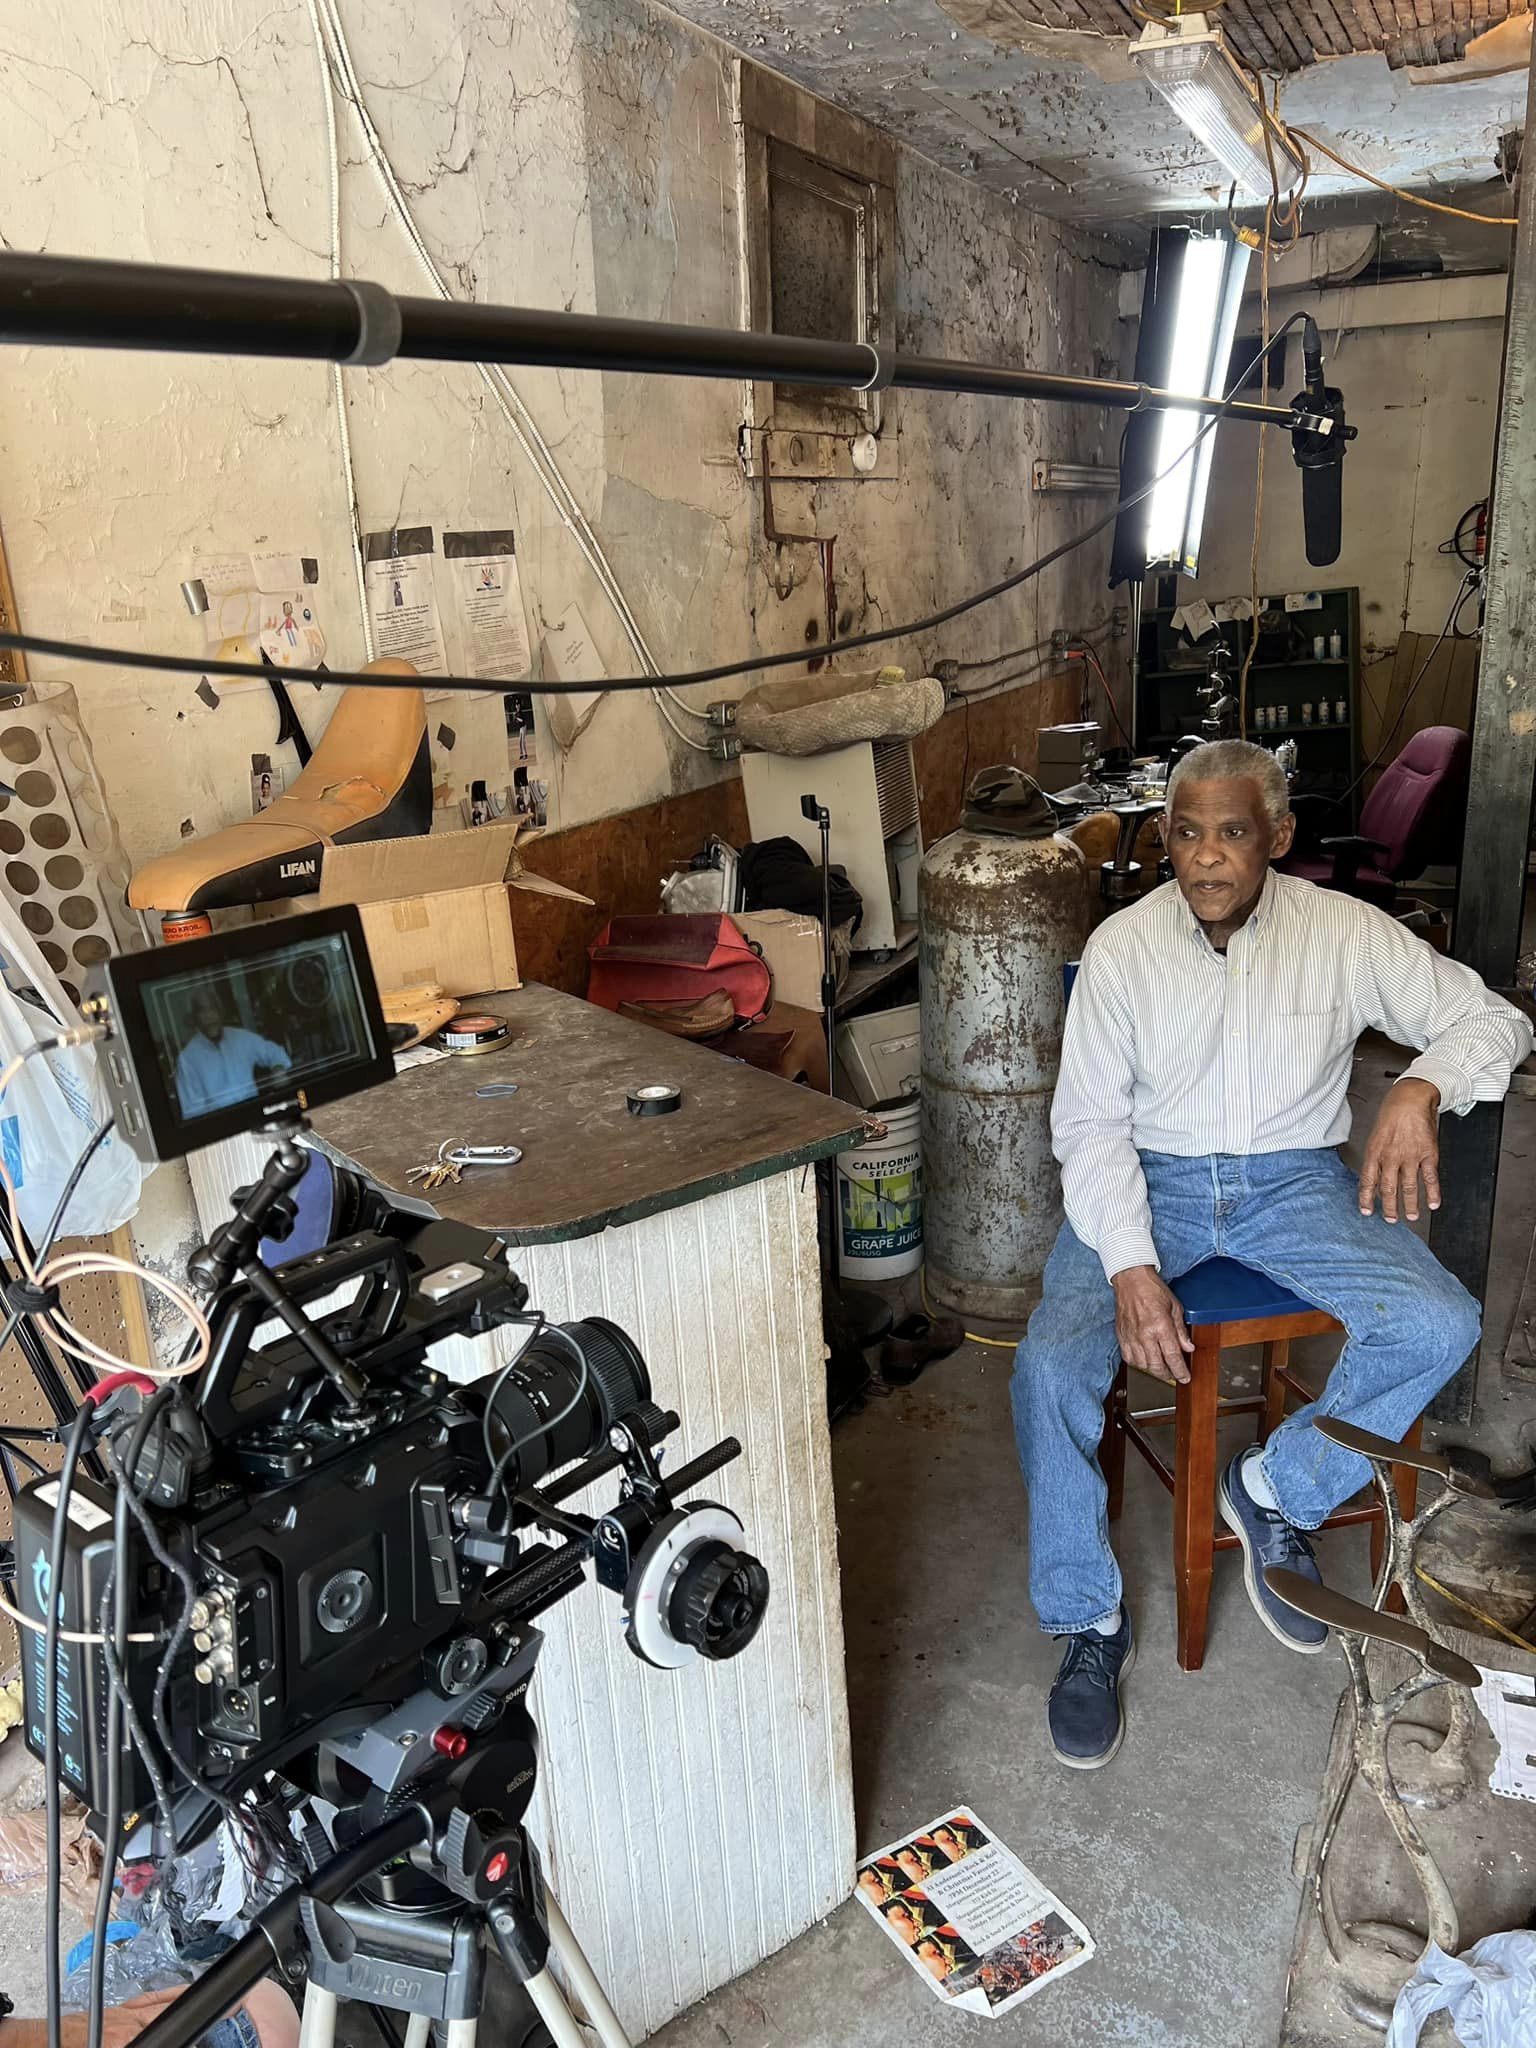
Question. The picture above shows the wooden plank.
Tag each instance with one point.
(1491, 887)
(619, 862)
(587, 1163)
(1251, 37)
(139, 1345)
(1296, 37)
(1373, 28)
(13, 663)
(1443, 697)
(1333, 28)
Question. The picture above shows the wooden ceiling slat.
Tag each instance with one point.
(1332, 19)
(1373, 27)
(1249, 34)
(1287, 35)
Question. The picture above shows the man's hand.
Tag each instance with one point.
(1404, 1146)
(1149, 1326)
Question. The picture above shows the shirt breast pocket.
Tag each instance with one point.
(1320, 1032)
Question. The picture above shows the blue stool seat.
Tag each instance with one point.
(1226, 1291)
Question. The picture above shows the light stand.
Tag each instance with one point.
(858, 1315)
(819, 815)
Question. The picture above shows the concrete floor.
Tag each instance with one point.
(1178, 1855)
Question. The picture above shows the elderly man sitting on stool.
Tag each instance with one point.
(1203, 1092)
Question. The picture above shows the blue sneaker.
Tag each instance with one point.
(1268, 1538)
(1087, 1721)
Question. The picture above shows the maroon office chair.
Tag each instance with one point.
(1409, 819)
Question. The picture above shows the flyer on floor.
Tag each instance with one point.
(980, 1928)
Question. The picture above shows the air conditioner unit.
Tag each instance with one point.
(871, 790)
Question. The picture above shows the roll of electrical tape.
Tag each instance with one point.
(659, 1099)
(477, 1032)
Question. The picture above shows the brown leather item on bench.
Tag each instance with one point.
(370, 778)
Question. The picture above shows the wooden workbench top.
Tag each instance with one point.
(587, 1162)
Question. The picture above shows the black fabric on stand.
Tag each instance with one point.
(778, 874)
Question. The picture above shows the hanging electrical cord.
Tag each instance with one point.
(509, 402)
(1307, 140)
(1468, 582)
(182, 664)
(1258, 478)
(338, 388)
(1081, 651)
(1093, 633)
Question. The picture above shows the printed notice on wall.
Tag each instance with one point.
(488, 602)
(983, 1930)
(402, 601)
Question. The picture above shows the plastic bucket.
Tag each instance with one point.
(880, 1198)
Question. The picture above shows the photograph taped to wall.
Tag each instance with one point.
(981, 1928)
(266, 598)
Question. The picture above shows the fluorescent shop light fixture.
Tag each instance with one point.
(1208, 296)
(1188, 62)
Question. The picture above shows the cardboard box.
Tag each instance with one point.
(438, 908)
(791, 945)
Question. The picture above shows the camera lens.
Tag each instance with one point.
(564, 1394)
(719, 1600)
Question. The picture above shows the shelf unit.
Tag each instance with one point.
(1285, 672)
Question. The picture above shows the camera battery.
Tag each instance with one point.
(81, 1689)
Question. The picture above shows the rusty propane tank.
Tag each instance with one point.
(998, 918)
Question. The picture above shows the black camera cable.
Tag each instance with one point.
(54, 1848)
(257, 1845)
(114, 1627)
(536, 1325)
(92, 1146)
(200, 665)
(550, 1422)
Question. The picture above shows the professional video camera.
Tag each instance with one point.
(315, 1574)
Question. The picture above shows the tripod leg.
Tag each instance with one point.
(418, 2032)
(554, 2012)
(318, 2027)
(583, 1978)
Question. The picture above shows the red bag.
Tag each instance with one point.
(677, 959)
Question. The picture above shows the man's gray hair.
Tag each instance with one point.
(1235, 761)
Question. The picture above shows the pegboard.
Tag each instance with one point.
(49, 870)
(109, 1309)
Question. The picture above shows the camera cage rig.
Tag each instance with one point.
(400, 1716)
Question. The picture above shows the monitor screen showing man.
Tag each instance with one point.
(223, 1062)
(250, 1028)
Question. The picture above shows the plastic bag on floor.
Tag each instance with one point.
(159, 1936)
(1489, 1993)
(139, 1958)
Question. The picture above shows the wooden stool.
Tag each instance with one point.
(1225, 1304)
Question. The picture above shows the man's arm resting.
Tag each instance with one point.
(1149, 1325)
(1402, 1150)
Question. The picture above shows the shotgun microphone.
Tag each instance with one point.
(1318, 447)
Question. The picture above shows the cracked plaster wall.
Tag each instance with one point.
(580, 155)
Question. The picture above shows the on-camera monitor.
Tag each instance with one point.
(239, 1030)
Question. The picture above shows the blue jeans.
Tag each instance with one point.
(1294, 1216)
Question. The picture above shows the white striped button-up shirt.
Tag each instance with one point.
(1171, 1046)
